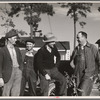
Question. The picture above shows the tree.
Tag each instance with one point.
(7, 21)
(32, 13)
(75, 11)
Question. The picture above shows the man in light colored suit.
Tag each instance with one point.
(10, 66)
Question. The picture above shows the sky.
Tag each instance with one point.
(62, 25)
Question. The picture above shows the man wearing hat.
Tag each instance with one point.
(29, 74)
(48, 59)
(10, 66)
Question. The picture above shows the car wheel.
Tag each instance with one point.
(51, 89)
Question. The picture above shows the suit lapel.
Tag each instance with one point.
(17, 54)
(8, 53)
(16, 50)
(47, 52)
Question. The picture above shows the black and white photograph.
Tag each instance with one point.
(50, 49)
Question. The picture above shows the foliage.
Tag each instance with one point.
(6, 19)
(31, 7)
(21, 32)
(31, 12)
(77, 10)
(8, 23)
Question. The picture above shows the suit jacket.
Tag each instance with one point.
(6, 63)
(45, 60)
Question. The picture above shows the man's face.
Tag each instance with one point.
(51, 44)
(29, 46)
(13, 40)
(80, 38)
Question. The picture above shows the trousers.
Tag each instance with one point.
(57, 76)
(31, 85)
(86, 86)
(12, 87)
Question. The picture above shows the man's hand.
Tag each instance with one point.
(99, 76)
(1, 82)
(54, 59)
(47, 77)
(72, 64)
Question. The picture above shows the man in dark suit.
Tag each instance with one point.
(48, 59)
(29, 74)
(10, 66)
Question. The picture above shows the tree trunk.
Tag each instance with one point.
(74, 34)
(74, 31)
(31, 25)
(31, 30)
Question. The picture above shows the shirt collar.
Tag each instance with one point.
(29, 54)
(48, 48)
(10, 46)
(88, 44)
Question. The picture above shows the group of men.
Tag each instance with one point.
(15, 72)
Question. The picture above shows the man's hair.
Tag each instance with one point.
(83, 34)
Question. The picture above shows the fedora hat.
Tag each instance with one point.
(11, 33)
(49, 37)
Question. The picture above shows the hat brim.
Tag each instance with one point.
(11, 36)
(51, 40)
